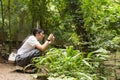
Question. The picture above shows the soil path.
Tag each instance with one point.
(7, 72)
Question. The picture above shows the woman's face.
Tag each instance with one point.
(40, 36)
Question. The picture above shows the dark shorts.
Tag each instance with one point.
(25, 59)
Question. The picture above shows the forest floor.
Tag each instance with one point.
(8, 72)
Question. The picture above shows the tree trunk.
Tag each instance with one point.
(75, 10)
(33, 17)
(10, 42)
(83, 36)
(3, 37)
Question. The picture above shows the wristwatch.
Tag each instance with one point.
(48, 40)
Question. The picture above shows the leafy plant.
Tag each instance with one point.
(70, 63)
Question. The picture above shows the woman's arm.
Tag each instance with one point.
(44, 46)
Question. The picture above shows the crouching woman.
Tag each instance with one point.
(32, 48)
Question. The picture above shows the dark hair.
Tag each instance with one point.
(37, 30)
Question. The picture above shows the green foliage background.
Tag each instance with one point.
(86, 24)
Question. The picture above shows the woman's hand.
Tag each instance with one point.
(51, 38)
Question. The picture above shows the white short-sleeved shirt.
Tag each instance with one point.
(28, 45)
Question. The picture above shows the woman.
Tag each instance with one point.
(32, 48)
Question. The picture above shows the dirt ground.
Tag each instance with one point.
(7, 72)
